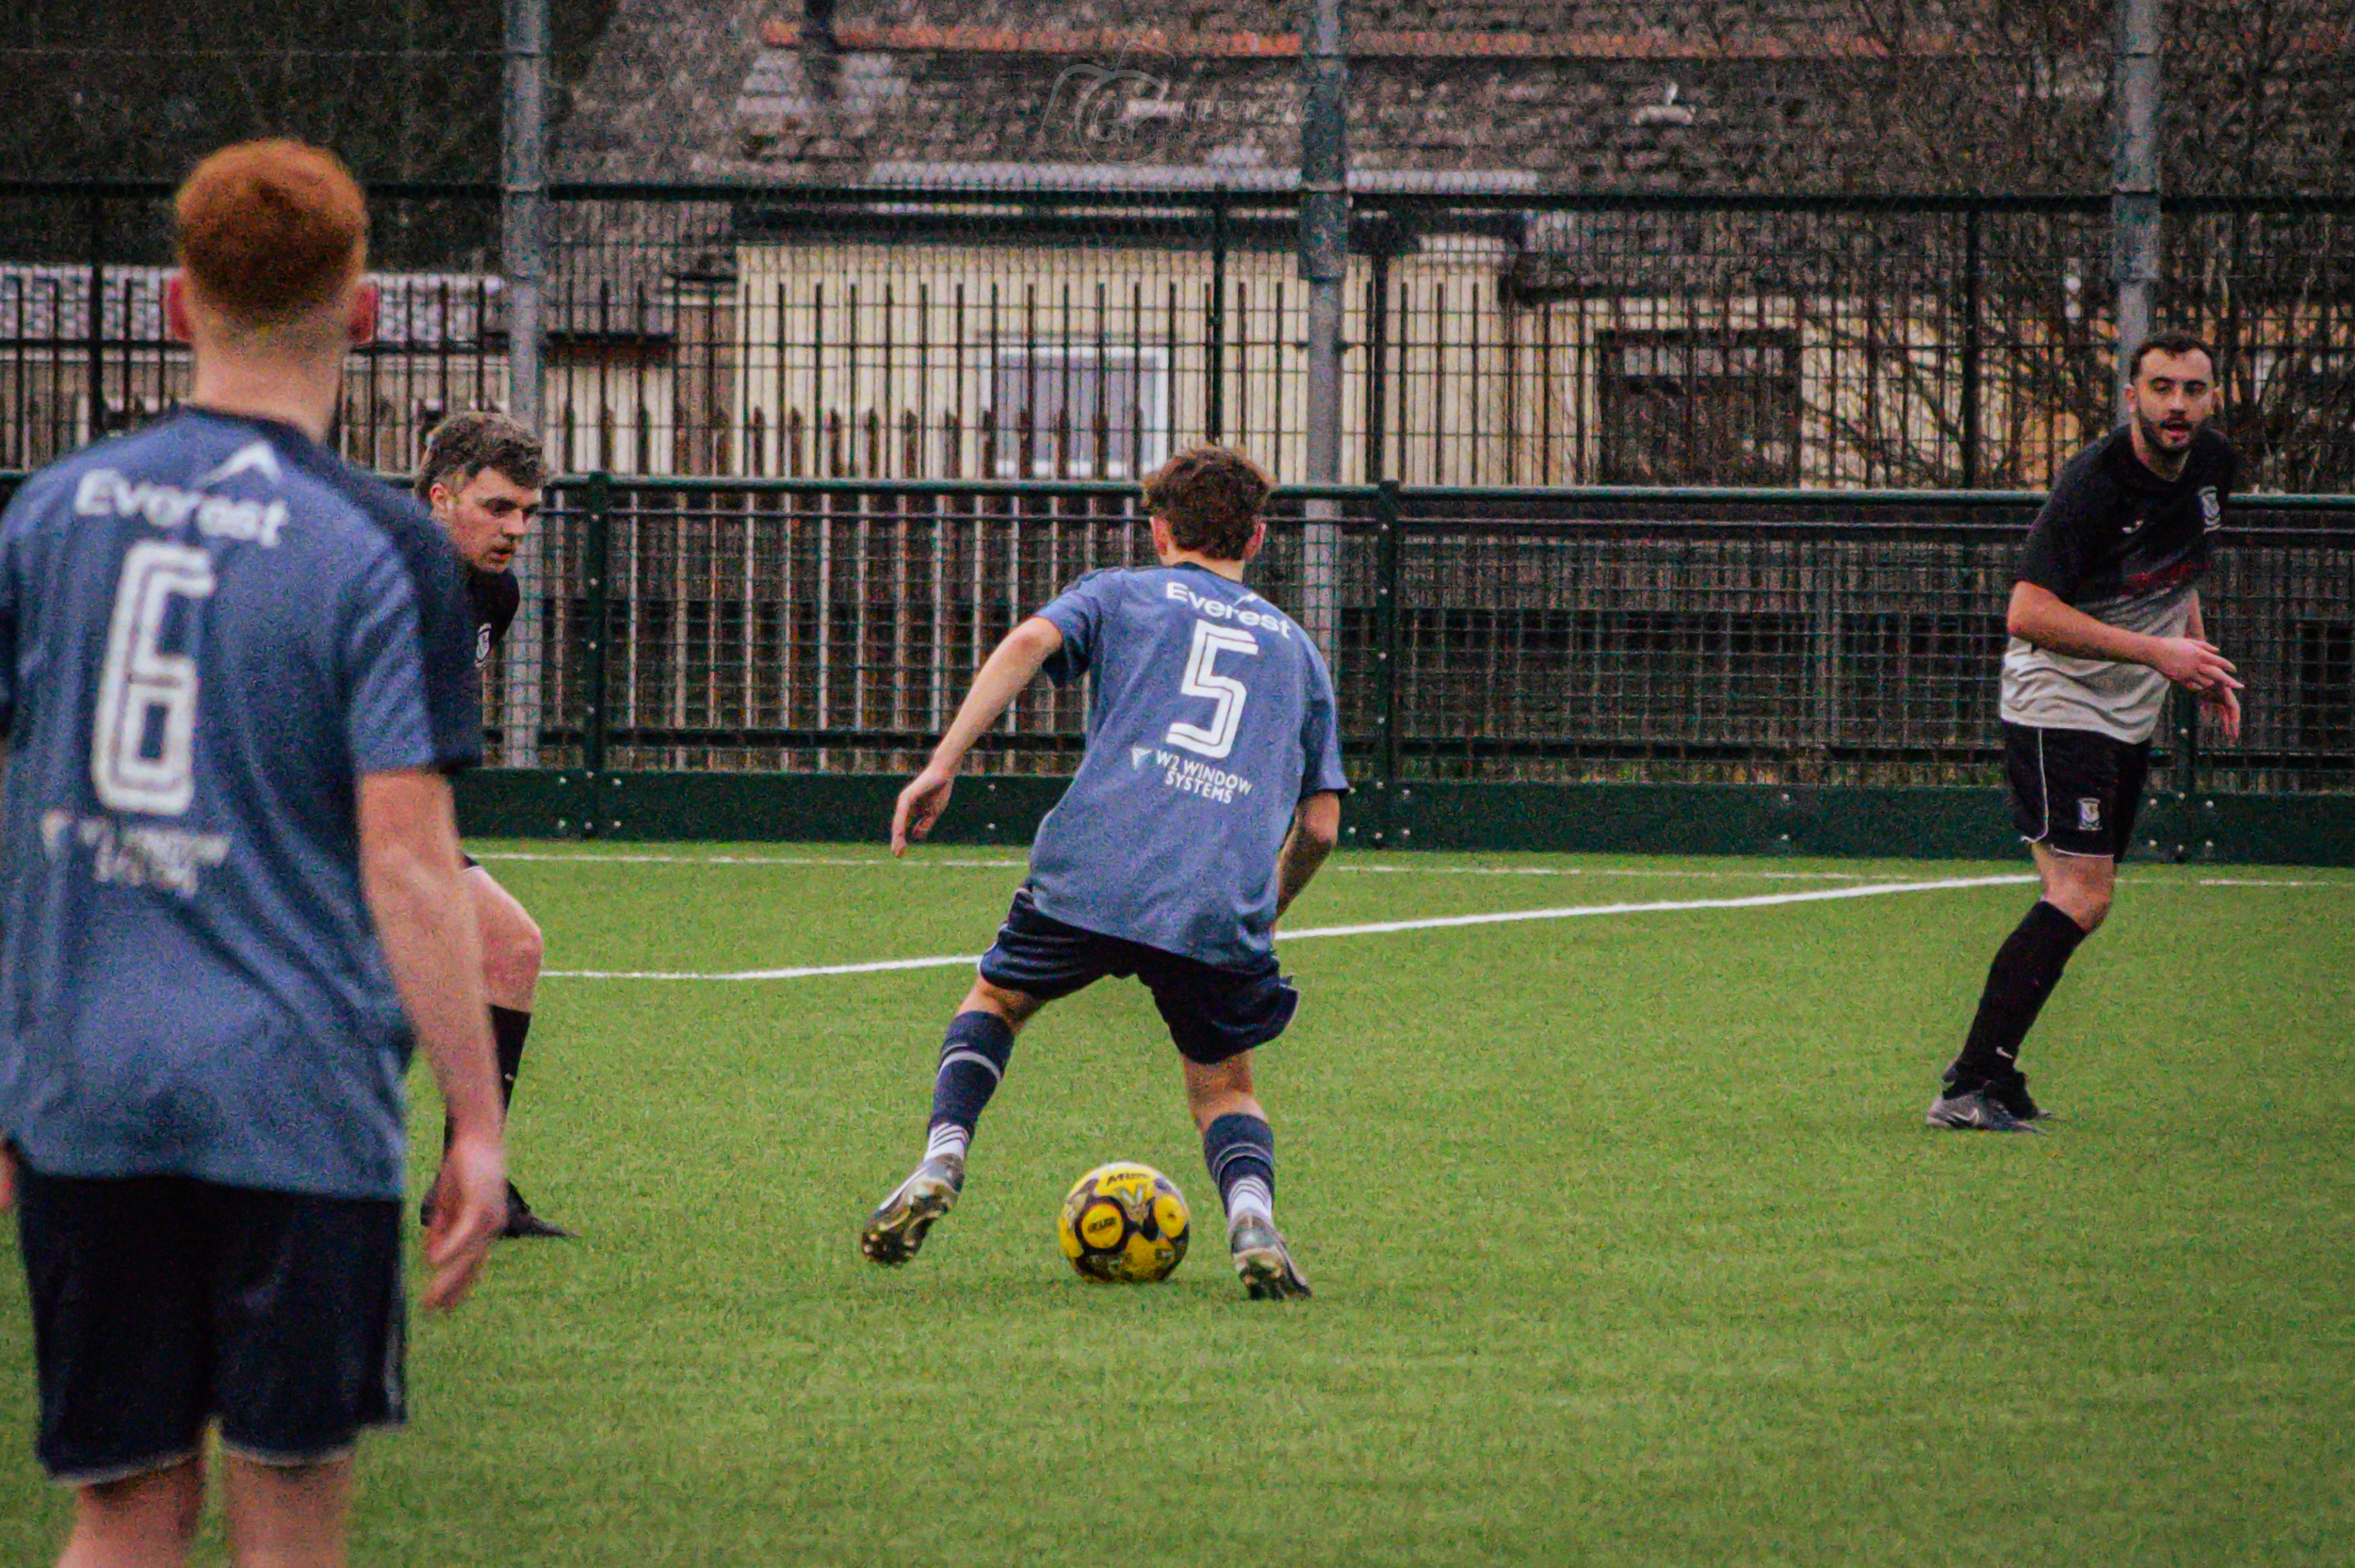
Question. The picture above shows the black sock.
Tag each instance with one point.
(2026, 970)
(1240, 1149)
(508, 1029)
(973, 1057)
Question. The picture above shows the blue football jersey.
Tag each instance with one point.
(209, 632)
(1209, 719)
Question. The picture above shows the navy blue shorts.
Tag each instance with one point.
(1213, 1014)
(161, 1305)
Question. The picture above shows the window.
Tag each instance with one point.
(1700, 408)
(1078, 412)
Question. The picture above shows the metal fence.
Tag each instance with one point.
(1786, 637)
(911, 332)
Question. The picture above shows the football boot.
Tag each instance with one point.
(524, 1226)
(1975, 1111)
(2011, 1092)
(896, 1230)
(1264, 1263)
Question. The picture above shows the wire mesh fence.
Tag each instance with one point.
(1502, 634)
(87, 350)
(1794, 637)
(1083, 333)
(852, 435)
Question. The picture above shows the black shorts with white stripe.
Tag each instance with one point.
(2075, 791)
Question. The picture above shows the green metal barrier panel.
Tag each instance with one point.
(1929, 823)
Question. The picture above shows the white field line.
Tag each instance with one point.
(754, 860)
(2262, 881)
(873, 864)
(1382, 927)
(2137, 879)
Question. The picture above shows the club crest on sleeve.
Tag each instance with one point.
(2211, 509)
(481, 646)
(2089, 814)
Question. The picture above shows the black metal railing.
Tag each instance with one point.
(914, 332)
(1791, 637)
(1602, 634)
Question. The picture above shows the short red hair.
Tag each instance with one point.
(268, 229)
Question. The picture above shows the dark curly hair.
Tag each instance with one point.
(465, 444)
(1212, 496)
(2173, 345)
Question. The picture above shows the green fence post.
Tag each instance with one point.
(1386, 658)
(597, 570)
(2185, 710)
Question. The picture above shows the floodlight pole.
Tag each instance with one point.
(523, 249)
(1324, 267)
(2134, 184)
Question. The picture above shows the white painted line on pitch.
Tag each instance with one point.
(2262, 881)
(870, 865)
(1378, 928)
(1758, 901)
(754, 860)
(879, 966)
(1596, 871)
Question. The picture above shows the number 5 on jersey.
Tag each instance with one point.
(1215, 739)
(140, 679)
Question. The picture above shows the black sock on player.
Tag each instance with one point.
(1240, 1149)
(973, 1056)
(508, 1025)
(2026, 968)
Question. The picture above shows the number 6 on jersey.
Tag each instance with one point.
(139, 678)
(1203, 680)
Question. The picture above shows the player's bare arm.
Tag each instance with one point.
(1316, 828)
(2038, 616)
(1012, 666)
(410, 871)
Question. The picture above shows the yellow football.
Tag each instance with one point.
(1124, 1223)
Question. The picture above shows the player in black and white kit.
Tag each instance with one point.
(2104, 616)
(482, 476)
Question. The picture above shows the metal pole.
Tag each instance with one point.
(1214, 349)
(597, 566)
(1324, 266)
(1387, 673)
(2134, 188)
(95, 234)
(1378, 362)
(523, 179)
(1971, 370)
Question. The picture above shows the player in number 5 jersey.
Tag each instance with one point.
(1209, 796)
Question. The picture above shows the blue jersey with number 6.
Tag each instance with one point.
(209, 632)
(1211, 719)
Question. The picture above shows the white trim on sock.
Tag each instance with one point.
(950, 1059)
(1249, 1199)
(946, 1139)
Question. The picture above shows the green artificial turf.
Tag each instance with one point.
(1630, 1245)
